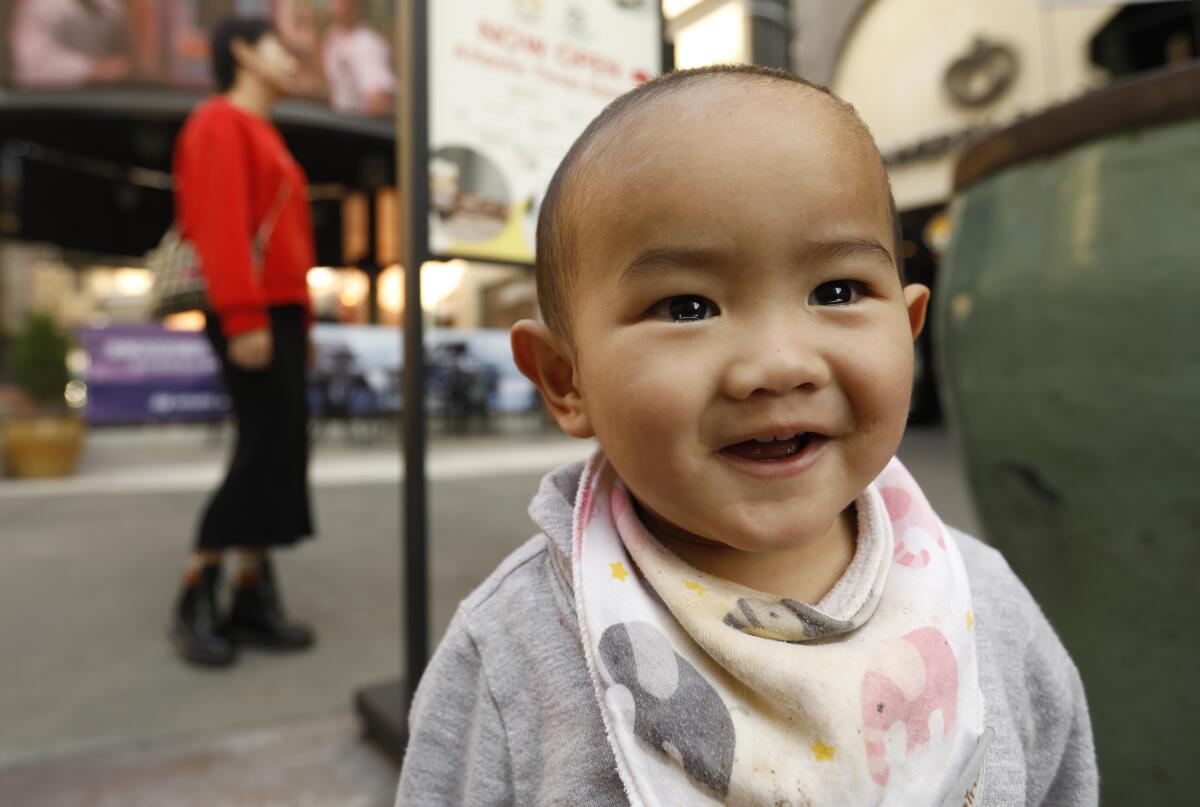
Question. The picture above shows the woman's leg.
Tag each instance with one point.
(257, 615)
(263, 500)
(287, 446)
(198, 631)
(238, 513)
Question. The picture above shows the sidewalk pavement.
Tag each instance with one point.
(176, 459)
(95, 708)
(311, 762)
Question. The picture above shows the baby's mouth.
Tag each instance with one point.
(771, 449)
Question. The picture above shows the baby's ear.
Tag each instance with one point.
(916, 300)
(541, 355)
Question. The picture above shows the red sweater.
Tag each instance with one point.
(230, 168)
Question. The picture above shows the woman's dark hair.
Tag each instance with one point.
(226, 30)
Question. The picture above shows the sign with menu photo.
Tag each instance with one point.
(512, 83)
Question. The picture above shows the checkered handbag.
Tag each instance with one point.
(178, 279)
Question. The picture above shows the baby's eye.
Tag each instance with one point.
(685, 308)
(837, 292)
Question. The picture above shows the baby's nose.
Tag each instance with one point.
(775, 367)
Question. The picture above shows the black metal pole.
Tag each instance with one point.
(369, 264)
(384, 707)
(412, 136)
(1195, 29)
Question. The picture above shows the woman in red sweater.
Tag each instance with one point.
(241, 199)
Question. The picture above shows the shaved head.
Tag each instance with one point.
(620, 131)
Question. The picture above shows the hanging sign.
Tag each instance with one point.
(512, 83)
(1069, 3)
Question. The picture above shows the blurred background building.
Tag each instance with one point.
(93, 92)
(92, 95)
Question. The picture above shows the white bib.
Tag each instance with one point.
(714, 693)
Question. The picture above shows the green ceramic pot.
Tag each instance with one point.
(1068, 313)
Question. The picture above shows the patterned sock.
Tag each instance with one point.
(196, 563)
(249, 566)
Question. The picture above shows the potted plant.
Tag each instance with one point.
(46, 440)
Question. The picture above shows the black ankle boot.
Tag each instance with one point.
(257, 616)
(197, 633)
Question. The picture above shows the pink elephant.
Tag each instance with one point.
(909, 517)
(884, 701)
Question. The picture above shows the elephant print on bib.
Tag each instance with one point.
(784, 620)
(676, 710)
(915, 525)
(912, 678)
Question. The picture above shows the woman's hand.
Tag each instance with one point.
(251, 350)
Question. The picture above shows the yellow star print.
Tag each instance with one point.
(694, 586)
(618, 571)
(823, 752)
(970, 621)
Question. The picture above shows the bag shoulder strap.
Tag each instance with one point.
(263, 235)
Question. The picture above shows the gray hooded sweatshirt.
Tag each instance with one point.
(506, 714)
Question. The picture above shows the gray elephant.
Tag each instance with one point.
(785, 620)
(674, 705)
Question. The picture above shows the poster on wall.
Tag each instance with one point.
(343, 47)
(1070, 3)
(512, 83)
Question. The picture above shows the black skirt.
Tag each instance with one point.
(264, 499)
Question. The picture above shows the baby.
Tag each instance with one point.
(742, 598)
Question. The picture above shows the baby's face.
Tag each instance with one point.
(736, 285)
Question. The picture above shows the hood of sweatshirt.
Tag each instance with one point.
(553, 511)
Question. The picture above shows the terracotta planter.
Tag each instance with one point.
(1069, 348)
(42, 446)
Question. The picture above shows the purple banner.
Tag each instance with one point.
(146, 373)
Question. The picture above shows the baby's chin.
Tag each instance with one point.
(759, 542)
(755, 533)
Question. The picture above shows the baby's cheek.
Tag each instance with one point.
(636, 428)
(879, 388)
(881, 404)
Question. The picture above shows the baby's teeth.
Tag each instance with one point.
(780, 437)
